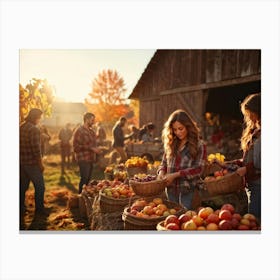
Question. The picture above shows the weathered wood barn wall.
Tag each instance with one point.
(184, 79)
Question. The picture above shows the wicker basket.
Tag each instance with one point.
(111, 204)
(132, 222)
(131, 171)
(160, 226)
(151, 188)
(229, 183)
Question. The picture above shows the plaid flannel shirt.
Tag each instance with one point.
(30, 144)
(84, 141)
(190, 169)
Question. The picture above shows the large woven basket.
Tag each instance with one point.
(229, 183)
(111, 204)
(131, 171)
(151, 188)
(132, 222)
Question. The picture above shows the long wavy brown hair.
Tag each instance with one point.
(251, 104)
(170, 140)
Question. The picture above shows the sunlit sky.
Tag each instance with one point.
(71, 72)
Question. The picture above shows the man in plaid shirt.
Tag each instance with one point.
(85, 148)
(31, 167)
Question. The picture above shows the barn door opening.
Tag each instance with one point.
(224, 118)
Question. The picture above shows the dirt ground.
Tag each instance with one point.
(61, 190)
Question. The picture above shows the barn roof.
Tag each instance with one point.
(135, 92)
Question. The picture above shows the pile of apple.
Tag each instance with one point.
(206, 218)
(118, 190)
(94, 187)
(153, 209)
(136, 162)
(141, 177)
(217, 175)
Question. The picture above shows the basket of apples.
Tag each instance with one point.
(147, 185)
(146, 213)
(223, 181)
(115, 197)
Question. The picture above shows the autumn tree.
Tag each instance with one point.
(107, 97)
(37, 94)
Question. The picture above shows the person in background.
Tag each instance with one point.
(31, 166)
(134, 136)
(148, 135)
(65, 135)
(119, 138)
(184, 158)
(142, 131)
(101, 134)
(45, 138)
(85, 149)
(251, 147)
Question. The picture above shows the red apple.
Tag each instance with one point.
(217, 212)
(171, 219)
(236, 216)
(225, 225)
(212, 218)
(253, 224)
(229, 207)
(172, 226)
(225, 215)
(234, 223)
(184, 218)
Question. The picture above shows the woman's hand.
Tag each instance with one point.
(241, 171)
(171, 177)
(161, 175)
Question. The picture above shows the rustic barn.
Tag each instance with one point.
(198, 81)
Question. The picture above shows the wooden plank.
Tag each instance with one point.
(204, 86)
(229, 63)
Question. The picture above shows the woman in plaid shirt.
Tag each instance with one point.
(184, 157)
